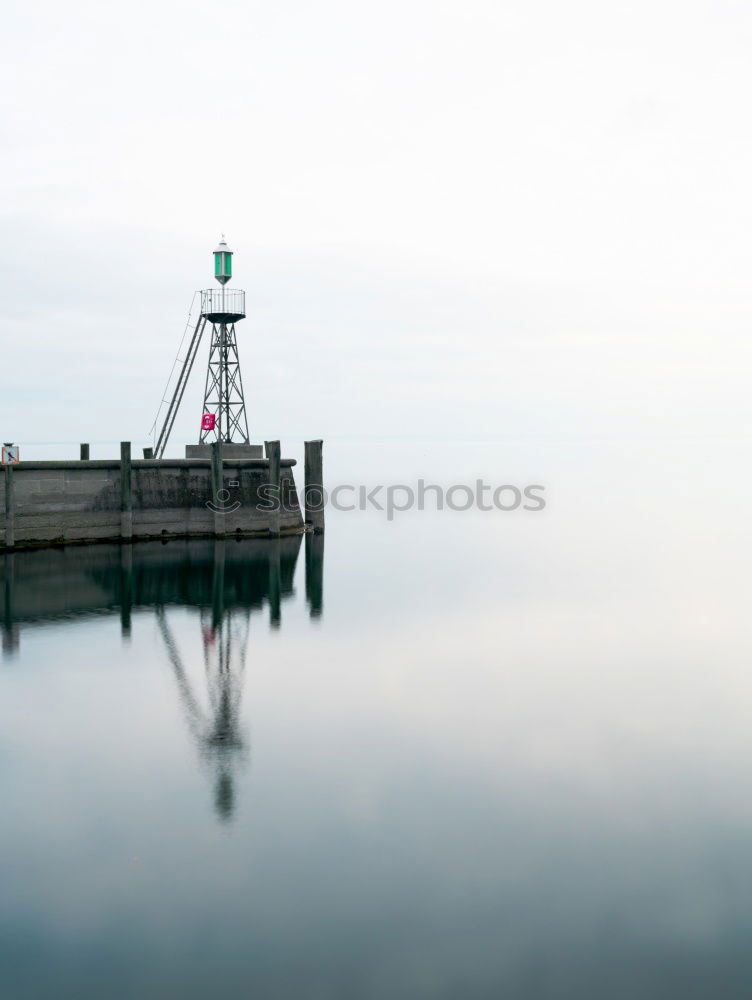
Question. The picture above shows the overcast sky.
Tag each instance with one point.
(478, 218)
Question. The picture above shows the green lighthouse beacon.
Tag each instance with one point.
(223, 262)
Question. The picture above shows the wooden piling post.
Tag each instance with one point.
(148, 453)
(314, 485)
(84, 453)
(126, 491)
(275, 482)
(218, 491)
(10, 507)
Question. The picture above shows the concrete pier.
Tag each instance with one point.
(57, 502)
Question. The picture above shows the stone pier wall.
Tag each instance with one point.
(58, 502)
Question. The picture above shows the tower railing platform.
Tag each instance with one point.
(223, 305)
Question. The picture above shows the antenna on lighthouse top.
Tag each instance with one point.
(223, 262)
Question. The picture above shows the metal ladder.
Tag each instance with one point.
(177, 396)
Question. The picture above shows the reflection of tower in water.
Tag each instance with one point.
(215, 728)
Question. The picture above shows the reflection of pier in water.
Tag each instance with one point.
(226, 580)
(79, 581)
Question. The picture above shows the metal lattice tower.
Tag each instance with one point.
(223, 416)
(223, 392)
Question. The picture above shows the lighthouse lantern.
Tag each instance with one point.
(223, 263)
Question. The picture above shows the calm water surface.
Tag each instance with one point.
(455, 756)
